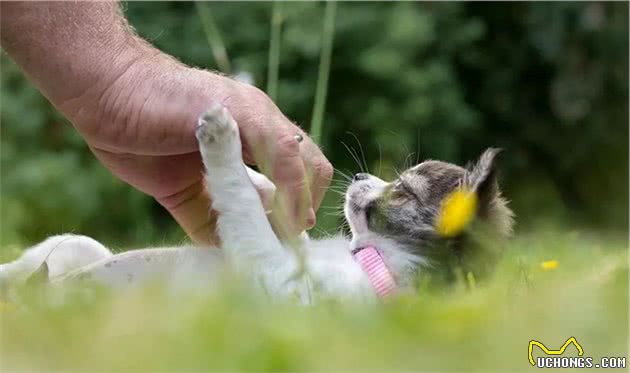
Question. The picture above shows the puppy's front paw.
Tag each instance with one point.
(217, 131)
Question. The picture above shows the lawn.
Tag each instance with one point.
(581, 292)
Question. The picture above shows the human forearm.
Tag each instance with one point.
(67, 48)
(85, 59)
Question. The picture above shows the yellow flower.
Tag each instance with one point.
(549, 265)
(457, 211)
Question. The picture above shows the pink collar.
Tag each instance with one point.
(372, 264)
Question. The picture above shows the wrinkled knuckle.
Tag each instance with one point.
(286, 177)
(287, 145)
(181, 197)
(298, 184)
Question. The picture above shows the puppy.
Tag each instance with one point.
(393, 226)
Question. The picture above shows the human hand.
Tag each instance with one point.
(137, 109)
(142, 126)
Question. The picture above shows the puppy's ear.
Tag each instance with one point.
(481, 178)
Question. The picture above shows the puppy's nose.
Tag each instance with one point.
(360, 176)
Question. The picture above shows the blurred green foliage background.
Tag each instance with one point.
(548, 82)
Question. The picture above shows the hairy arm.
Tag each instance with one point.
(137, 109)
(60, 43)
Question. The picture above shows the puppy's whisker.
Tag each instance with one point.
(396, 172)
(340, 192)
(333, 214)
(418, 143)
(321, 231)
(341, 183)
(343, 174)
(367, 169)
(380, 159)
(406, 162)
(335, 208)
(354, 156)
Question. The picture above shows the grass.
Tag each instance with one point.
(486, 326)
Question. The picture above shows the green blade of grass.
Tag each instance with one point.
(213, 36)
(319, 106)
(274, 49)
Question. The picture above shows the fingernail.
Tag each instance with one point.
(310, 219)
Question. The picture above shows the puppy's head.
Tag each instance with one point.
(406, 210)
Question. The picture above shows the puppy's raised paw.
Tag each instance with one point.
(216, 126)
